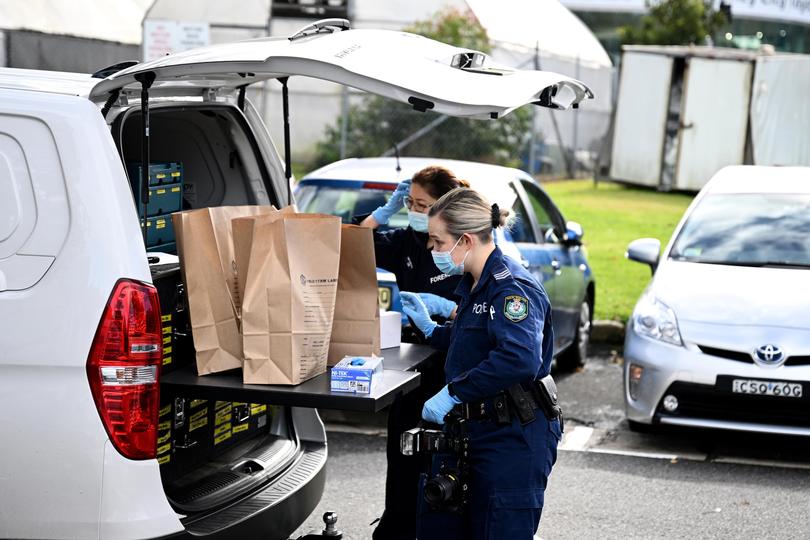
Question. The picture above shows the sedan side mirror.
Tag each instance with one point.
(645, 250)
(573, 233)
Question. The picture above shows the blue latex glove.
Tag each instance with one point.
(382, 214)
(414, 308)
(437, 305)
(437, 407)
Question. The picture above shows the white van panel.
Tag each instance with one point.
(34, 220)
(715, 128)
(641, 113)
(51, 473)
(126, 513)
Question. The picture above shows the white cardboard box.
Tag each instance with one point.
(356, 374)
(390, 329)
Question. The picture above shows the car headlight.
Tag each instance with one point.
(654, 319)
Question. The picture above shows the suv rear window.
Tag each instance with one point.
(347, 202)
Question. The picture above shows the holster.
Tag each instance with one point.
(545, 393)
(522, 403)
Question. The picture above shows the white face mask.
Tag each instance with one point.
(418, 221)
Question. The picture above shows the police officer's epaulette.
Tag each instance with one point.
(501, 273)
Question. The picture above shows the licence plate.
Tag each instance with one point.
(766, 388)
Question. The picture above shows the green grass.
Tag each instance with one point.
(612, 216)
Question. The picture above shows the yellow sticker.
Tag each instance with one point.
(165, 410)
(165, 425)
(199, 414)
(198, 402)
(165, 459)
(222, 429)
(160, 191)
(256, 409)
(160, 175)
(175, 174)
(175, 190)
(198, 424)
(161, 224)
(167, 350)
(162, 439)
(223, 413)
(167, 360)
(240, 428)
(166, 318)
(167, 340)
(221, 404)
(163, 449)
(167, 329)
(223, 437)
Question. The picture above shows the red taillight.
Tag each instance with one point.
(123, 368)
(379, 185)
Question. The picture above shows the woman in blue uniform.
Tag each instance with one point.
(498, 348)
(407, 254)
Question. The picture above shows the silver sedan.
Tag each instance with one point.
(721, 336)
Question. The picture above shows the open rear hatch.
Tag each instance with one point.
(405, 67)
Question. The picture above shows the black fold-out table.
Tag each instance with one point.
(398, 378)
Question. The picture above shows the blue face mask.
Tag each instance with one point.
(418, 221)
(444, 261)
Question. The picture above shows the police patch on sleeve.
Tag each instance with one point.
(516, 308)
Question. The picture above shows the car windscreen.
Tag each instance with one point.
(347, 202)
(750, 229)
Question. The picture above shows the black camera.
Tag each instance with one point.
(447, 489)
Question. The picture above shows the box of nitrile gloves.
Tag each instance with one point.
(356, 374)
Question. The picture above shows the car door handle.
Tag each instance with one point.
(555, 264)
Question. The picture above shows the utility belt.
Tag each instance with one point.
(520, 401)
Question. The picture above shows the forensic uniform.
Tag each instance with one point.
(404, 252)
(501, 337)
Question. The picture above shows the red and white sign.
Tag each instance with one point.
(162, 37)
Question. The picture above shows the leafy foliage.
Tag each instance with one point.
(675, 22)
(376, 124)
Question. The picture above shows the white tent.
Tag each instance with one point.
(546, 35)
(524, 25)
(70, 35)
(111, 20)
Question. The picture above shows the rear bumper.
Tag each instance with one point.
(273, 513)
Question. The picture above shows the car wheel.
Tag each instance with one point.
(577, 353)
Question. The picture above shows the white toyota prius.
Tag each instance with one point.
(721, 336)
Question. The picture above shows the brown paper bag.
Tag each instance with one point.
(205, 247)
(288, 264)
(356, 324)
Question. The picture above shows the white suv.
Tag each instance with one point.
(91, 448)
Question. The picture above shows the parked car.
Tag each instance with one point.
(540, 238)
(92, 318)
(721, 336)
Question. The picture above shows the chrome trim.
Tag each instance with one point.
(735, 426)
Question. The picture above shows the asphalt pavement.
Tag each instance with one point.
(610, 482)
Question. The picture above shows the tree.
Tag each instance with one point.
(675, 22)
(376, 124)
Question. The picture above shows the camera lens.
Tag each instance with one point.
(440, 489)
